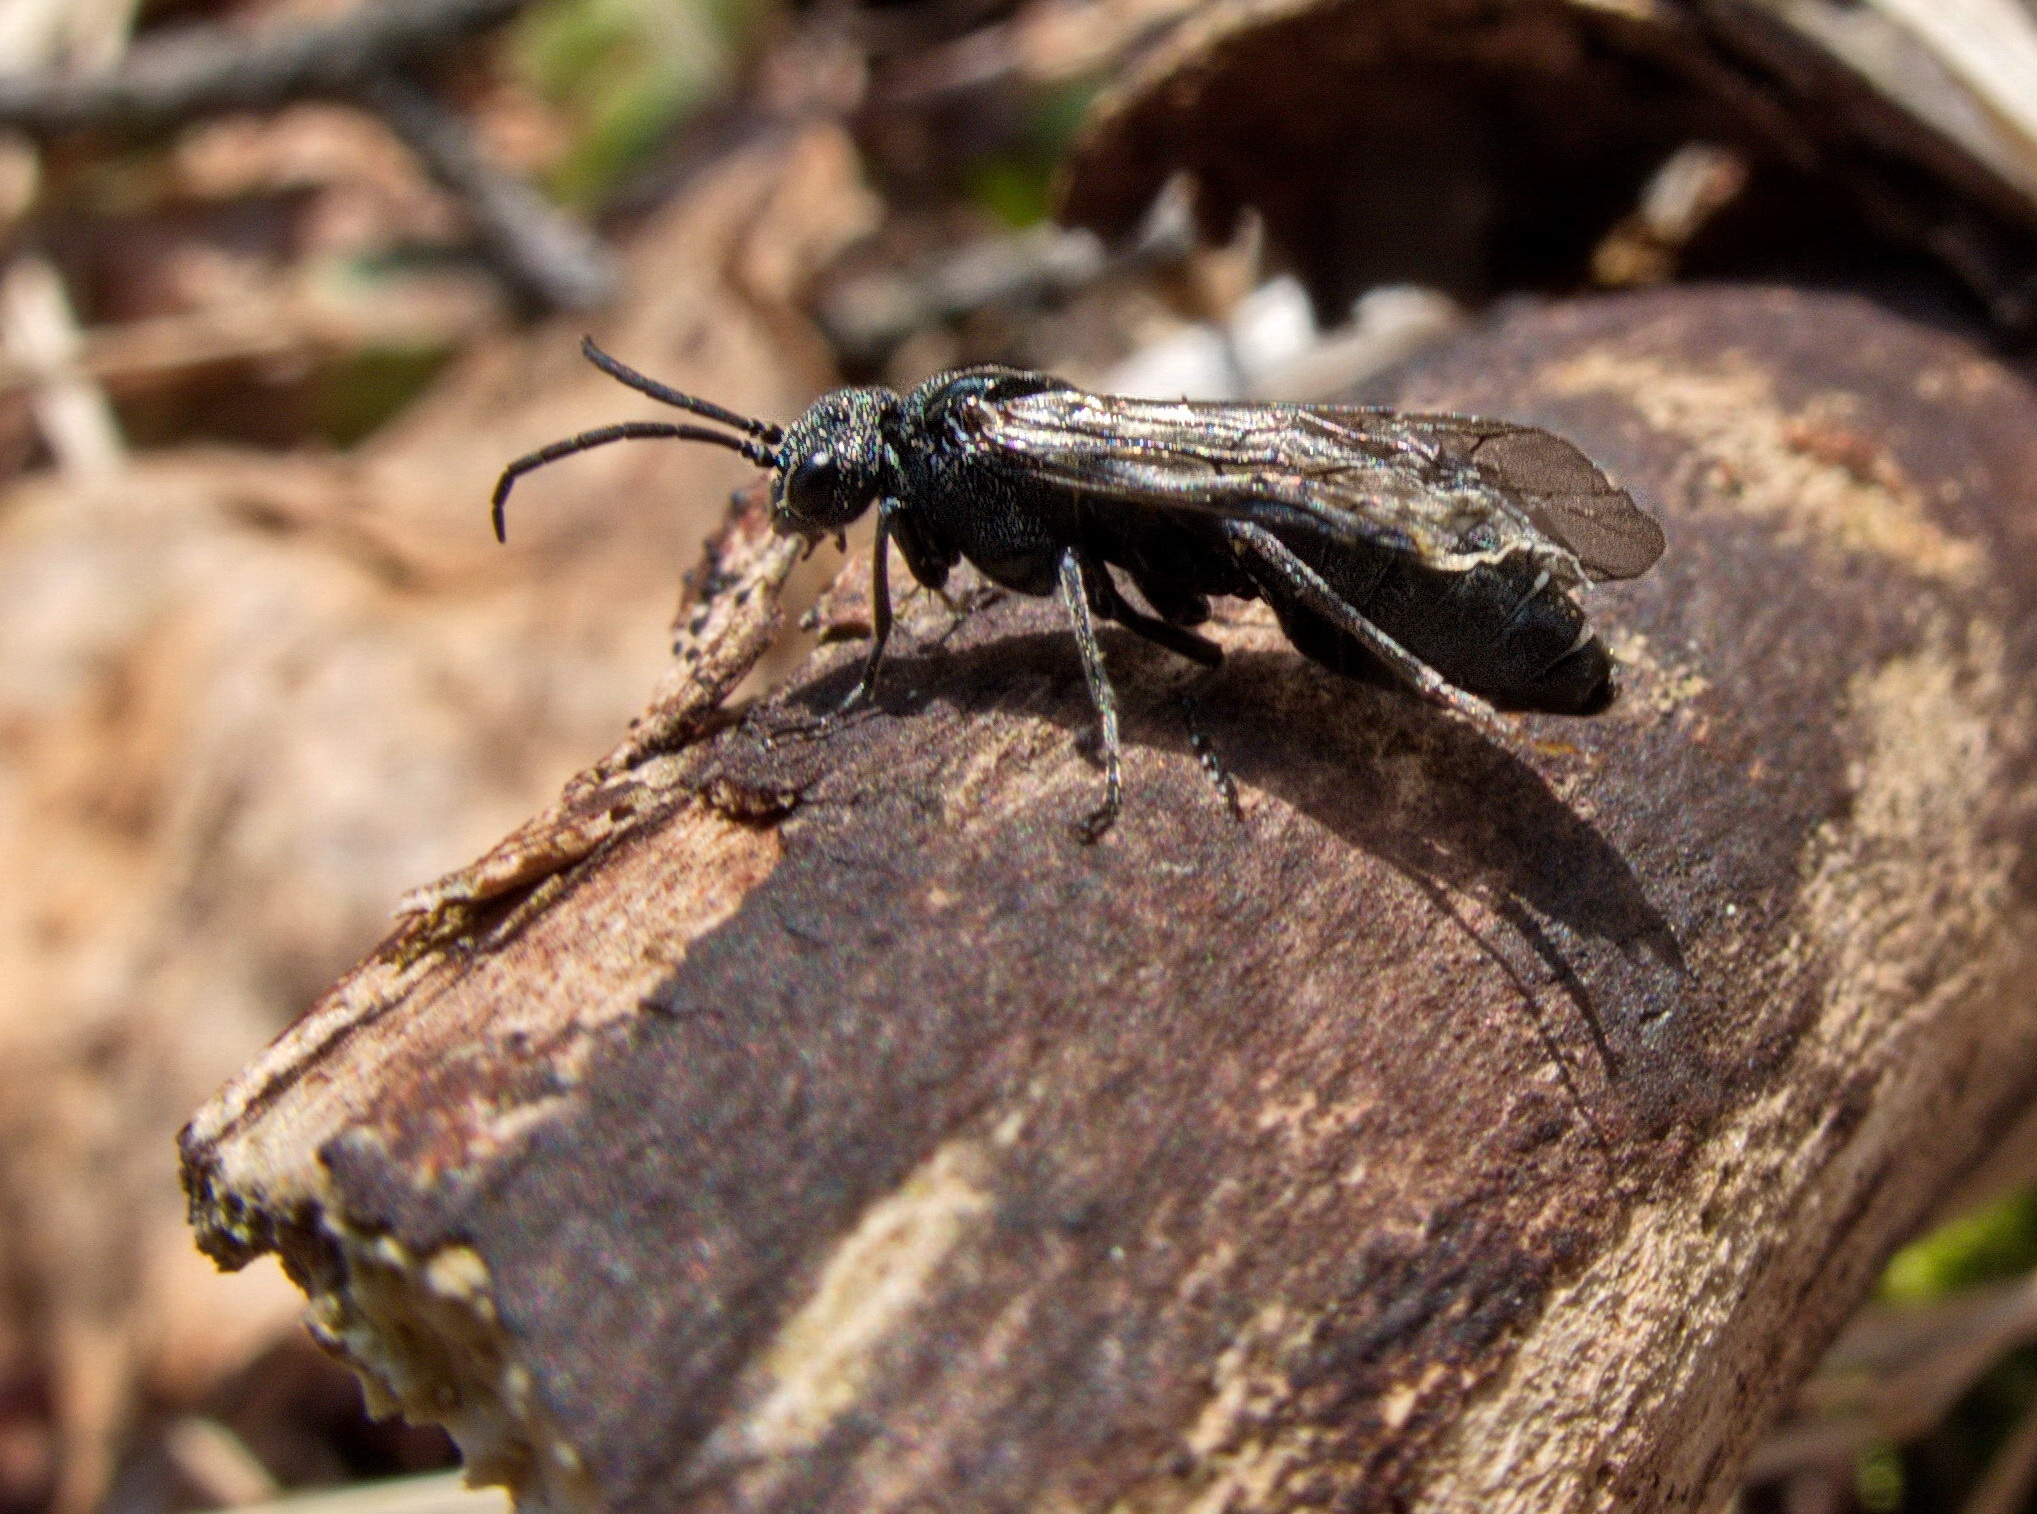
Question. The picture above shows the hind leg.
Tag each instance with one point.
(1292, 576)
(1209, 759)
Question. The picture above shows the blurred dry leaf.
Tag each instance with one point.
(370, 192)
(246, 700)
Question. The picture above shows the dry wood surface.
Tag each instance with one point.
(807, 1121)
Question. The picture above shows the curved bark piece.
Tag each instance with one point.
(1470, 1126)
(1485, 148)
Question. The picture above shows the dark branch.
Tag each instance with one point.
(543, 255)
(214, 70)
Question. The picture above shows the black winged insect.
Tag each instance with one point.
(1448, 549)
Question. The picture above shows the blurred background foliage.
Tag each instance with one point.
(1993, 1247)
(1016, 184)
(622, 76)
(1994, 1244)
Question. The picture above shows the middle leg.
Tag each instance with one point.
(1109, 601)
(1075, 597)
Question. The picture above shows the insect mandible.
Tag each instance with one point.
(1446, 549)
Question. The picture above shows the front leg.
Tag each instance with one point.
(1075, 598)
(880, 611)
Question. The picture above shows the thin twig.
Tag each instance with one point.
(267, 324)
(39, 335)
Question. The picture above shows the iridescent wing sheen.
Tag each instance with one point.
(1452, 490)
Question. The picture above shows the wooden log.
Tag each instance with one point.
(807, 1121)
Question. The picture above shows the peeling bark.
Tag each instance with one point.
(1469, 1126)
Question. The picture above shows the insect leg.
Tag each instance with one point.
(1212, 763)
(880, 611)
(1075, 596)
(1108, 601)
(1307, 585)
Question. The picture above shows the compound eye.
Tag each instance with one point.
(814, 488)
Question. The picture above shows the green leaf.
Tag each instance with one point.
(1989, 1245)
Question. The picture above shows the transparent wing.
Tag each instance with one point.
(1561, 491)
(1451, 490)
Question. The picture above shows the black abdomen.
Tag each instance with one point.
(1500, 630)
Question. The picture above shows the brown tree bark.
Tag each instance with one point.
(801, 1121)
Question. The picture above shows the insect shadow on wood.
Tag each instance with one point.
(1448, 550)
